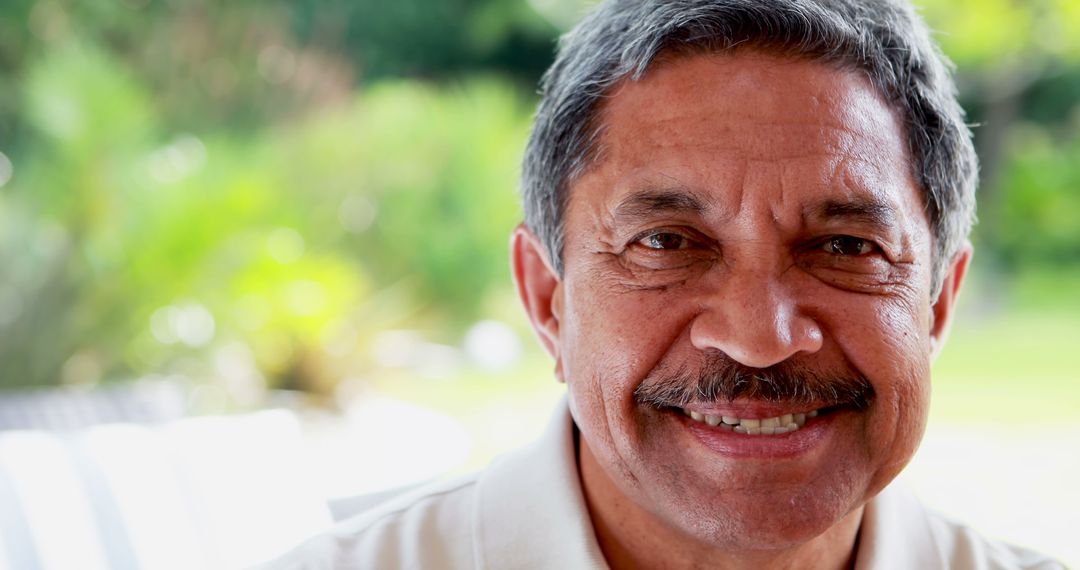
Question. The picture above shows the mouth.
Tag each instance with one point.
(760, 430)
(775, 425)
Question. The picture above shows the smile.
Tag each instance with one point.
(754, 426)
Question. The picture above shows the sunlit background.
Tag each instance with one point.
(209, 210)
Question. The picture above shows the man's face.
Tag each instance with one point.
(747, 213)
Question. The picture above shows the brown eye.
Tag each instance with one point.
(664, 240)
(848, 246)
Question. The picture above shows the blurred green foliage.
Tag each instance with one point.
(137, 241)
(251, 192)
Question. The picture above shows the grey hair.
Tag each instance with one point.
(885, 39)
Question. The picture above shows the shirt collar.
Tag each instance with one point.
(531, 511)
(896, 532)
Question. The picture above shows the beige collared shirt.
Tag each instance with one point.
(527, 511)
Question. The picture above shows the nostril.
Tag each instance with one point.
(758, 338)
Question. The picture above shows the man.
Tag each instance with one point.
(746, 228)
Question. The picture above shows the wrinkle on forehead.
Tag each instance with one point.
(844, 103)
(729, 139)
(650, 202)
(809, 181)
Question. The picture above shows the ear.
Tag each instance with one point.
(945, 304)
(539, 289)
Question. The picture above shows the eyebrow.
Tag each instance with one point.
(646, 204)
(649, 203)
(866, 211)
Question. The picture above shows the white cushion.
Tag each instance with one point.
(207, 492)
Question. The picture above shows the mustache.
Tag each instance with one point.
(720, 378)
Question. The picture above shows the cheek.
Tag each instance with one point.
(889, 343)
(905, 369)
(895, 340)
(615, 336)
(610, 340)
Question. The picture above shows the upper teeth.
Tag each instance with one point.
(755, 426)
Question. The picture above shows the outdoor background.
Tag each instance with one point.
(307, 205)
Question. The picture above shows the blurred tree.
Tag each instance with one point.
(157, 249)
(193, 176)
(251, 61)
(430, 39)
(1019, 69)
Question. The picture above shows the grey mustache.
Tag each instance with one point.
(720, 378)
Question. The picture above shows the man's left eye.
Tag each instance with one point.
(848, 246)
(665, 240)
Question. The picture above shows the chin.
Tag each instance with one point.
(763, 520)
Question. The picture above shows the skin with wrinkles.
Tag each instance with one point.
(761, 208)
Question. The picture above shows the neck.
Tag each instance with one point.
(632, 538)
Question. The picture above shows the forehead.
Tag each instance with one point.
(711, 122)
(726, 90)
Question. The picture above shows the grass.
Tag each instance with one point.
(1013, 361)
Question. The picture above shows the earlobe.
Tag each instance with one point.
(539, 289)
(945, 304)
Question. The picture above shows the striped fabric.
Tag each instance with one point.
(213, 492)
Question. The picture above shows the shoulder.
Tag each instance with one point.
(525, 510)
(430, 527)
(900, 532)
(963, 547)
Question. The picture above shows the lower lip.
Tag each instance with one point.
(727, 442)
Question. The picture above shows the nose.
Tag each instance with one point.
(756, 320)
